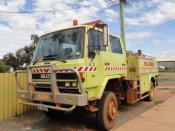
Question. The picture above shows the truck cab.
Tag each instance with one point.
(82, 48)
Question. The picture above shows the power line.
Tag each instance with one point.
(110, 3)
(53, 11)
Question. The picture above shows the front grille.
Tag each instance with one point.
(61, 79)
(74, 91)
(66, 76)
(61, 84)
(35, 76)
(42, 87)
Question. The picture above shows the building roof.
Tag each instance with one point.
(166, 59)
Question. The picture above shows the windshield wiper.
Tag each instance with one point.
(54, 57)
(40, 58)
(49, 57)
(61, 60)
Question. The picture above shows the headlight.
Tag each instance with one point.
(74, 84)
(67, 84)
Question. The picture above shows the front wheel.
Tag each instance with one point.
(107, 110)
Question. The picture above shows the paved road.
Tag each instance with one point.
(86, 121)
(159, 118)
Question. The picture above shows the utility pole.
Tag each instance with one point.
(122, 22)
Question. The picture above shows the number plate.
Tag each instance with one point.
(42, 107)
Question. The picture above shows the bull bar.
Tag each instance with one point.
(54, 96)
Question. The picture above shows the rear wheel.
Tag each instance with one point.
(53, 113)
(151, 92)
(107, 110)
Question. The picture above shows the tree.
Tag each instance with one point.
(22, 55)
(3, 68)
(10, 60)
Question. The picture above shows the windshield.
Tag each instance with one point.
(66, 44)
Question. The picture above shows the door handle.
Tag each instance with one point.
(107, 63)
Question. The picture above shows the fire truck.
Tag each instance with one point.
(87, 67)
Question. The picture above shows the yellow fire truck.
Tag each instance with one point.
(86, 66)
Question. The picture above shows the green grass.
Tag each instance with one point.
(166, 79)
(166, 71)
(166, 88)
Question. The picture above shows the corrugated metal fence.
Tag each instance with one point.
(9, 105)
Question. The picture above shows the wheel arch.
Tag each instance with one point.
(106, 85)
(153, 81)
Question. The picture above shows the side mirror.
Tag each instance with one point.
(34, 37)
(91, 55)
(106, 35)
(77, 53)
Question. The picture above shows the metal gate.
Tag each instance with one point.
(9, 105)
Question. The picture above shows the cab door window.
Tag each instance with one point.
(95, 41)
(115, 45)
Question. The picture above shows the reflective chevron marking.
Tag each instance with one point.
(79, 69)
(115, 68)
(40, 70)
(86, 68)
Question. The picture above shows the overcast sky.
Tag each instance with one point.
(150, 24)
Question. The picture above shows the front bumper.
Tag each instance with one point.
(62, 98)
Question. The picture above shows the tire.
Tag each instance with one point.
(107, 110)
(79, 110)
(151, 92)
(53, 113)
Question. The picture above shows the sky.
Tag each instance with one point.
(149, 24)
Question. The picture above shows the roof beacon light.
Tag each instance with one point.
(75, 22)
(97, 22)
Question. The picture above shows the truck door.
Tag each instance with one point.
(96, 58)
(117, 56)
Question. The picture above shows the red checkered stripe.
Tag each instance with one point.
(115, 68)
(40, 70)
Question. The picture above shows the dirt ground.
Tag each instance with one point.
(81, 121)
